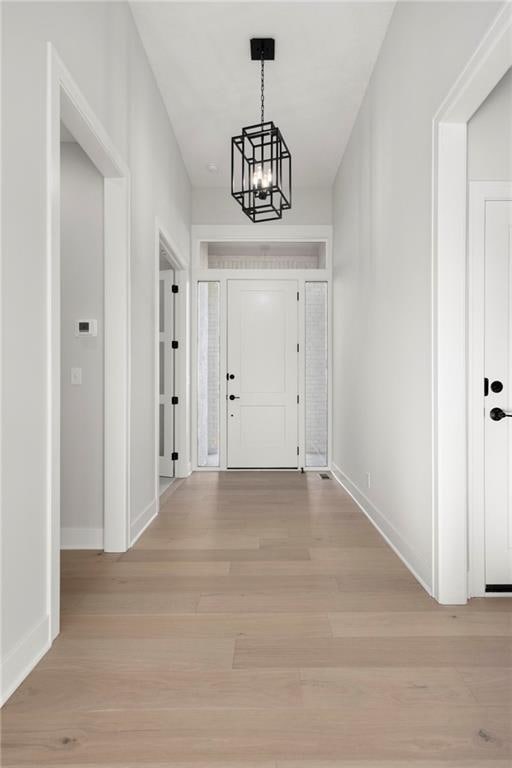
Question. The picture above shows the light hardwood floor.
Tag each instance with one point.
(261, 622)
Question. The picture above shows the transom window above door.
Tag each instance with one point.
(267, 255)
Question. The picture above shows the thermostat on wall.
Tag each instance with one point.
(86, 328)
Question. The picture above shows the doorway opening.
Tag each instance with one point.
(82, 349)
(109, 356)
(168, 349)
(261, 357)
(171, 360)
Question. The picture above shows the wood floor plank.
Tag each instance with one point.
(420, 732)
(212, 555)
(491, 686)
(134, 602)
(198, 625)
(384, 687)
(372, 652)
(205, 541)
(214, 763)
(210, 763)
(284, 602)
(223, 584)
(483, 763)
(144, 568)
(452, 621)
(378, 561)
(163, 686)
(261, 622)
(139, 654)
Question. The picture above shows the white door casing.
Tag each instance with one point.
(262, 358)
(454, 493)
(498, 369)
(167, 367)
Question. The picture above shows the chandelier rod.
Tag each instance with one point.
(262, 87)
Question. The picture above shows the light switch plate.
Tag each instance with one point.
(76, 377)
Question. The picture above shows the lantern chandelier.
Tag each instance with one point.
(261, 164)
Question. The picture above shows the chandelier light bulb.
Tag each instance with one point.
(261, 181)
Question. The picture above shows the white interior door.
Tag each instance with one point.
(498, 400)
(262, 386)
(167, 373)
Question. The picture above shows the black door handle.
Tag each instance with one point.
(234, 397)
(497, 414)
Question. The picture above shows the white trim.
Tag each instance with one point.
(449, 297)
(24, 657)
(248, 233)
(117, 363)
(66, 102)
(142, 521)
(81, 538)
(479, 193)
(303, 233)
(388, 532)
(1, 336)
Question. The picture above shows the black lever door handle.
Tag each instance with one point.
(497, 414)
(234, 397)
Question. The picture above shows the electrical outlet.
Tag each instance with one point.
(368, 480)
(76, 377)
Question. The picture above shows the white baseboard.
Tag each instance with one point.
(23, 658)
(184, 470)
(141, 522)
(81, 538)
(388, 532)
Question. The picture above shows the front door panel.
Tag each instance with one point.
(262, 373)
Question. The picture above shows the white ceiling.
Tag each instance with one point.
(325, 52)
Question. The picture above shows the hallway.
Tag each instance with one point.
(262, 622)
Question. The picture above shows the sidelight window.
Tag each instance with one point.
(316, 374)
(208, 374)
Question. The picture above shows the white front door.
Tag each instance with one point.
(167, 373)
(498, 397)
(262, 386)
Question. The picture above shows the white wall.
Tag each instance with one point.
(382, 273)
(490, 136)
(100, 46)
(82, 286)
(216, 206)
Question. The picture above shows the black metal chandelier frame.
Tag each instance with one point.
(261, 164)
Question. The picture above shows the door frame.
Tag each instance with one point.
(65, 102)
(181, 275)
(479, 193)
(450, 530)
(168, 277)
(203, 234)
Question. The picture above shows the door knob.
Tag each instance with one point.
(497, 414)
(234, 397)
